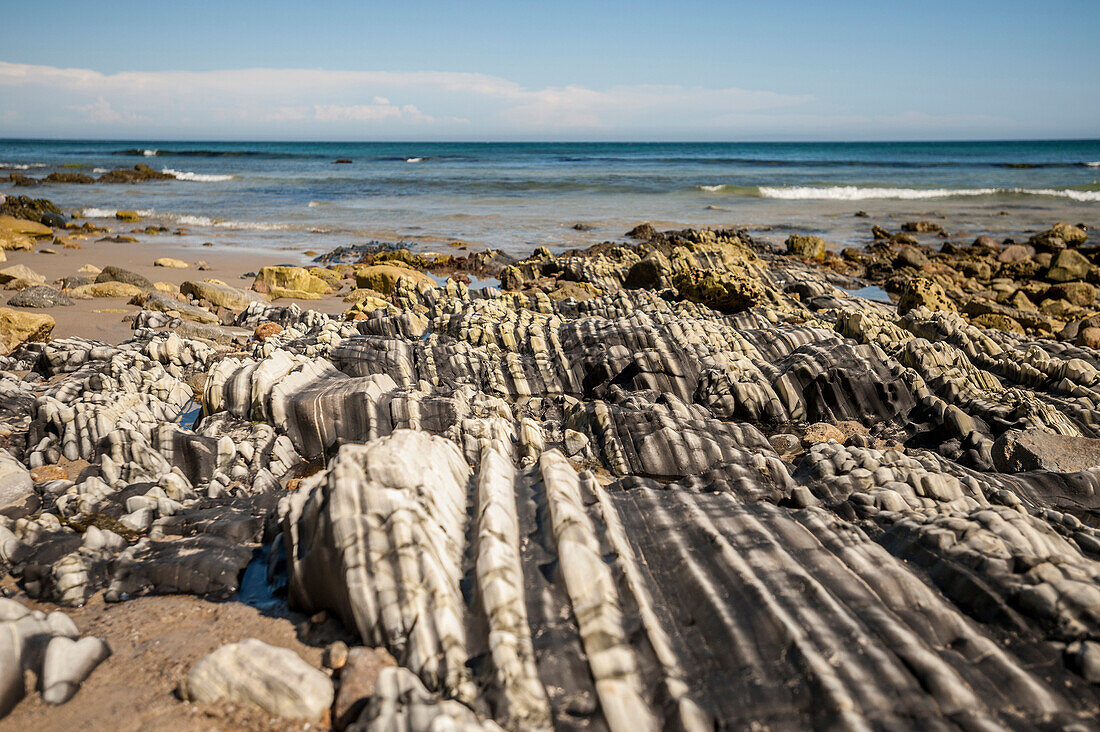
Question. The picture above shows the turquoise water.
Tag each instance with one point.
(293, 196)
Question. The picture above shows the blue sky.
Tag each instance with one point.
(551, 70)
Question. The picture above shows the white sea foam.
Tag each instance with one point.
(100, 170)
(21, 166)
(191, 220)
(711, 189)
(149, 153)
(414, 160)
(854, 193)
(97, 213)
(197, 177)
(1093, 164)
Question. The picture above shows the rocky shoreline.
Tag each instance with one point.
(681, 481)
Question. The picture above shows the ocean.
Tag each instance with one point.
(293, 197)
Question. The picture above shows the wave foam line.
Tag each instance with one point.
(196, 177)
(189, 220)
(21, 166)
(854, 193)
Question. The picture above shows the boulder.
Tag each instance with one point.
(1018, 451)
(1081, 294)
(921, 292)
(282, 293)
(164, 303)
(910, 257)
(265, 330)
(880, 234)
(650, 272)
(724, 291)
(17, 496)
(127, 216)
(38, 296)
(110, 273)
(1088, 336)
(106, 289)
(18, 327)
(23, 227)
(1015, 253)
(358, 677)
(170, 263)
(384, 277)
(292, 278)
(921, 227)
(27, 208)
(137, 174)
(53, 220)
(1066, 234)
(821, 432)
(808, 247)
(221, 294)
(20, 272)
(68, 662)
(1068, 265)
(252, 672)
(998, 322)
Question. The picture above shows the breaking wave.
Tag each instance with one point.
(197, 177)
(856, 193)
(21, 166)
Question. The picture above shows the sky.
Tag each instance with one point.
(477, 70)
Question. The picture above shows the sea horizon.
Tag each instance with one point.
(291, 196)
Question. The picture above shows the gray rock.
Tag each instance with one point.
(160, 302)
(57, 221)
(111, 273)
(38, 296)
(67, 664)
(1084, 658)
(17, 496)
(73, 281)
(252, 672)
(1018, 451)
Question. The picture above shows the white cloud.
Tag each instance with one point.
(319, 103)
(98, 111)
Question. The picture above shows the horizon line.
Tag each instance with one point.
(552, 141)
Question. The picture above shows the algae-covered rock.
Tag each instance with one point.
(384, 277)
(922, 292)
(1068, 265)
(727, 292)
(1065, 233)
(12, 225)
(998, 322)
(809, 247)
(1081, 294)
(127, 216)
(292, 278)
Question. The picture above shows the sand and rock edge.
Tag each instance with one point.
(685, 481)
